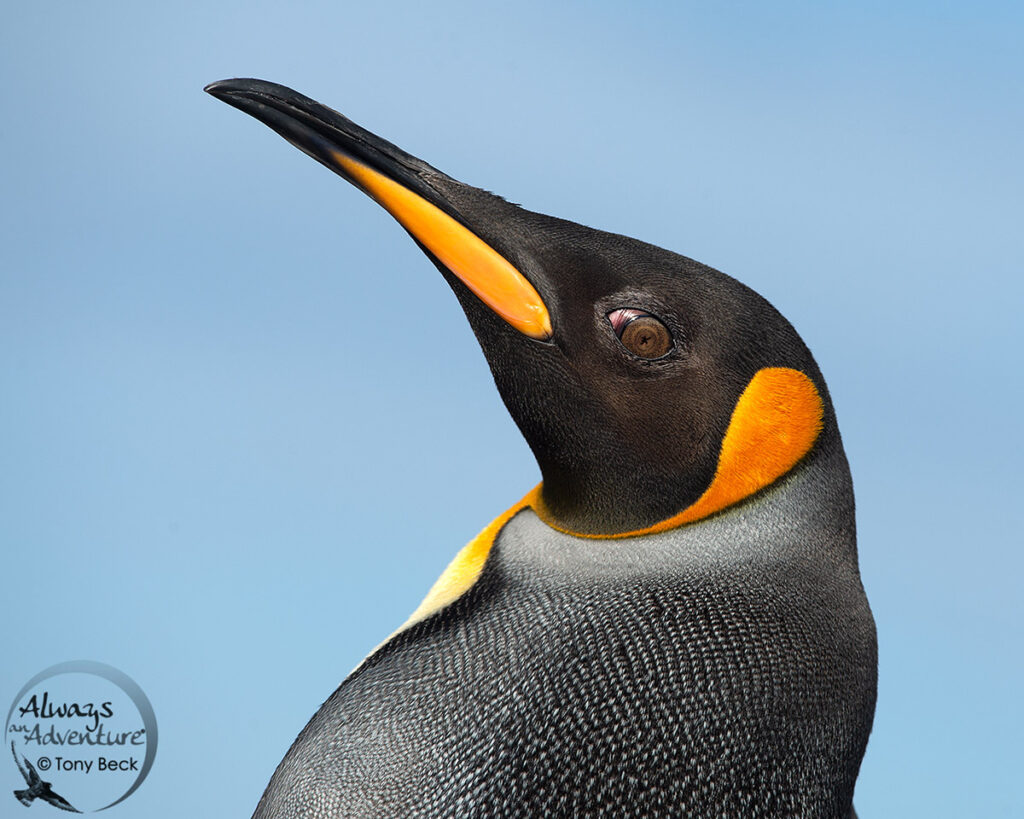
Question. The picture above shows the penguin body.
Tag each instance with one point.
(672, 623)
(697, 672)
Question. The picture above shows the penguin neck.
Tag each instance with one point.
(601, 502)
(774, 426)
(817, 493)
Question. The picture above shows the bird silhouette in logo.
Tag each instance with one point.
(37, 788)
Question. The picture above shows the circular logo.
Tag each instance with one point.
(83, 735)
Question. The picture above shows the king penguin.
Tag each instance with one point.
(672, 623)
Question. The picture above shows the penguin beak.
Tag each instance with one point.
(395, 180)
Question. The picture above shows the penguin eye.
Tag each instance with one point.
(641, 333)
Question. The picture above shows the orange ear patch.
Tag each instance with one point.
(775, 423)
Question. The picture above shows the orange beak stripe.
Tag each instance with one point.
(481, 268)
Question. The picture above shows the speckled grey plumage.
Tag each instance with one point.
(725, 668)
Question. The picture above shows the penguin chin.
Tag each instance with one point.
(599, 476)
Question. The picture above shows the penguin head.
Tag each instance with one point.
(653, 390)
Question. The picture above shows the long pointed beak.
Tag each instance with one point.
(394, 179)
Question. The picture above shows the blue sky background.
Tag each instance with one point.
(245, 424)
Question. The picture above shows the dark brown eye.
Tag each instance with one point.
(641, 333)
